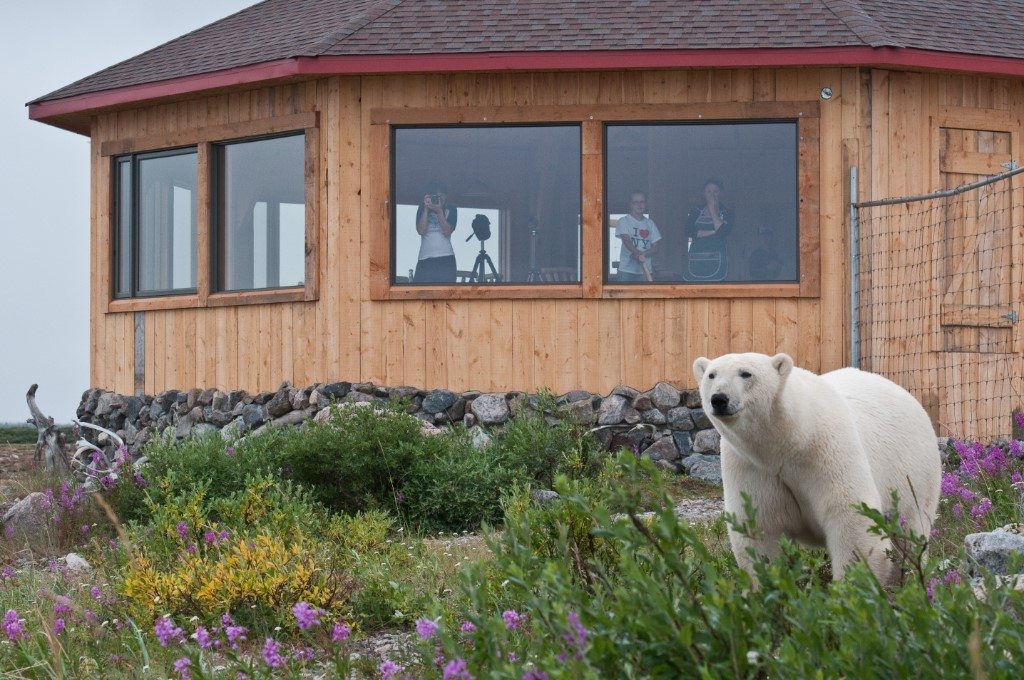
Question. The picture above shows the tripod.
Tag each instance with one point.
(479, 272)
(534, 274)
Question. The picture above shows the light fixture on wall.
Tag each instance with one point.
(826, 93)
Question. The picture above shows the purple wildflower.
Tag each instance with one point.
(577, 635)
(61, 605)
(513, 619)
(950, 484)
(191, 548)
(981, 509)
(389, 669)
(1016, 479)
(8, 572)
(229, 450)
(512, 657)
(306, 615)
(223, 535)
(1017, 448)
(535, 674)
(930, 589)
(13, 625)
(182, 530)
(85, 528)
(89, 616)
(456, 670)
(58, 626)
(96, 592)
(468, 627)
(181, 667)
(167, 632)
(140, 481)
(425, 628)
(202, 637)
(952, 577)
(1018, 417)
(210, 536)
(340, 632)
(235, 634)
(958, 510)
(272, 654)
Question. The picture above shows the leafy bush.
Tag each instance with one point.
(542, 451)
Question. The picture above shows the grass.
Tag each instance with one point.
(15, 433)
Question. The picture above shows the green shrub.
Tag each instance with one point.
(542, 451)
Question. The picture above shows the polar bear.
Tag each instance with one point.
(807, 448)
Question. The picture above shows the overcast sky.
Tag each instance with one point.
(44, 240)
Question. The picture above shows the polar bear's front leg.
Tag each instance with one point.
(848, 540)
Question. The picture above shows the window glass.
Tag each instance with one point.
(712, 202)
(166, 222)
(488, 204)
(123, 237)
(261, 218)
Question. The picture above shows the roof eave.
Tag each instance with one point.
(74, 113)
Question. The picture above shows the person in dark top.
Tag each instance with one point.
(707, 227)
(435, 222)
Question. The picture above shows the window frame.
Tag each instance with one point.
(592, 121)
(203, 140)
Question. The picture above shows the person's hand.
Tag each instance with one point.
(641, 256)
(426, 201)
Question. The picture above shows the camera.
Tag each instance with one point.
(481, 228)
(435, 199)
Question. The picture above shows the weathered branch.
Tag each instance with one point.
(49, 440)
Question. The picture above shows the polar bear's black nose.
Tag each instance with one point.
(719, 402)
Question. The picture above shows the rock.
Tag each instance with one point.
(994, 551)
(679, 418)
(355, 397)
(625, 391)
(633, 440)
(132, 408)
(945, 445)
(469, 420)
(299, 399)
(643, 403)
(183, 428)
(439, 401)
(103, 405)
(683, 442)
(206, 397)
(29, 519)
(691, 399)
(706, 441)
(700, 419)
(280, 404)
(653, 416)
(233, 430)
(491, 409)
(603, 437)
(665, 396)
(581, 411)
(707, 468)
(218, 418)
(663, 449)
(76, 564)
(631, 416)
(612, 411)
(253, 415)
(325, 415)
(200, 430)
(336, 391)
(429, 429)
(192, 398)
(479, 438)
(544, 496)
(673, 466)
(293, 418)
(518, 403)
(404, 393)
(576, 395)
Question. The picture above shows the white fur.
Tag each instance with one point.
(807, 448)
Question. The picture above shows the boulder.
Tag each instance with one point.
(701, 466)
(633, 440)
(707, 441)
(664, 396)
(253, 415)
(200, 430)
(233, 430)
(683, 442)
(679, 418)
(280, 404)
(73, 563)
(612, 411)
(491, 409)
(631, 416)
(581, 411)
(691, 398)
(336, 391)
(544, 496)
(293, 418)
(663, 449)
(653, 416)
(29, 519)
(625, 391)
(643, 403)
(576, 395)
(479, 437)
(996, 551)
(439, 401)
(700, 419)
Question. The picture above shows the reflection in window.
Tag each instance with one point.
(723, 197)
(261, 231)
(155, 240)
(489, 204)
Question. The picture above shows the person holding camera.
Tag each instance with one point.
(435, 222)
(707, 226)
(640, 238)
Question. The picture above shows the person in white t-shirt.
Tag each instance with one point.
(640, 236)
(435, 222)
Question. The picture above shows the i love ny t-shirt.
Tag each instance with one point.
(643, 234)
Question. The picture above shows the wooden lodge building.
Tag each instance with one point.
(273, 195)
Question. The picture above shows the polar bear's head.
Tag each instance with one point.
(733, 383)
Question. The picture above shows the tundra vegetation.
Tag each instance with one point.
(280, 554)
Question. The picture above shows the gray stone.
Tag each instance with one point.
(469, 420)
(183, 428)
(663, 449)
(707, 468)
(132, 408)
(429, 429)
(293, 418)
(156, 410)
(253, 415)
(220, 401)
(280, 404)
(336, 391)
(404, 393)
(945, 448)
(233, 430)
(518, 403)
(683, 442)
(613, 409)
(631, 416)
(76, 564)
(544, 496)
(29, 519)
(679, 418)
(625, 391)
(633, 440)
(996, 551)
(700, 419)
(356, 397)
(653, 416)
(581, 411)
(206, 397)
(192, 400)
(673, 466)
(691, 399)
(479, 438)
(576, 395)
(167, 400)
(218, 418)
(200, 430)
(603, 437)
(665, 396)
(491, 409)
(103, 405)
(706, 441)
(299, 399)
(643, 403)
(263, 398)
(439, 401)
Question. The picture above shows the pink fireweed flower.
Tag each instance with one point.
(210, 536)
(235, 634)
(272, 654)
(981, 509)
(167, 632)
(340, 633)
(577, 635)
(1016, 479)
(58, 626)
(535, 674)
(140, 481)
(1017, 448)
(202, 637)
(62, 605)
(958, 510)
(952, 577)
(96, 592)
(8, 572)
(303, 654)
(182, 668)
(388, 669)
(425, 628)
(513, 619)
(1018, 417)
(229, 451)
(467, 627)
(13, 625)
(182, 530)
(223, 535)
(306, 615)
(191, 548)
(85, 528)
(456, 670)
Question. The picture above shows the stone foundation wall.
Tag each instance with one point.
(664, 424)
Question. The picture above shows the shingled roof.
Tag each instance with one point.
(331, 31)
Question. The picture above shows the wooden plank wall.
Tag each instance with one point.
(966, 393)
(470, 344)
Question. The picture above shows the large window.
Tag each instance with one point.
(155, 239)
(261, 218)
(702, 203)
(496, 204)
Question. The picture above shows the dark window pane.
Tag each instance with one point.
(262, 217)
(519, 184)
(718, 199)
(123, 235)
(167, 223)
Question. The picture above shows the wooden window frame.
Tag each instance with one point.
(592, 120)
(204, 140)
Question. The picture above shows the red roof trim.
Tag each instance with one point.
(529, 61)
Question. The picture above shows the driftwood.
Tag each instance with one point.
(50, 441)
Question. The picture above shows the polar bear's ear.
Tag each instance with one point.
(783, 363)
(700, 365)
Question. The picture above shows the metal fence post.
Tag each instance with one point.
(854, 273)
